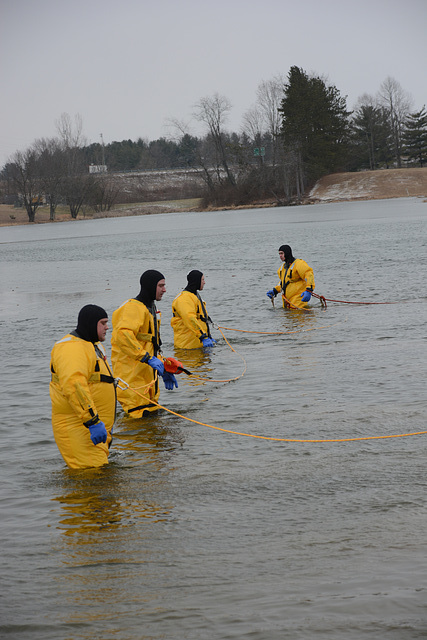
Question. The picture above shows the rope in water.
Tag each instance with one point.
(280, 333)
(270, 333)
(323, 300)
(272, 438)
(193, 376)
(262, 437)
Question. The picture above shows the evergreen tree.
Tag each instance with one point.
(123, 156)
(315, 126)
(371, 137)
(164, 154)
(415, 136)
(188, 150)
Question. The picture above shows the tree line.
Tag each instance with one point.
(298, 129)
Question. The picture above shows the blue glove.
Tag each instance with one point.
(208, 342)
(272, 293)
(305, 297)
(157, 365)
(98, 433)
(170, 381)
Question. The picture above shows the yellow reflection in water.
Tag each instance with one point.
(92, 504)
(198, 362)
(116, 495)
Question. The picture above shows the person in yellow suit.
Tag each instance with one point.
(296, 280)
(82, 391)
(135, 347)
(190, 322)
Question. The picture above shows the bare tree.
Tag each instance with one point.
(103, 193)
(178, 128)
(398, 103)
(269, 99)
(263, 123)
(73, 140)
(253, 124)
(52, 170)
(25, 178)
(76, 182)
(71, 134)
(213, 111)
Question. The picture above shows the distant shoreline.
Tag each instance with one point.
(338, 187)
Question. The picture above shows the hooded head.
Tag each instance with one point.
(87, 322)
(194, 279)
(288, 253)
(148, 282)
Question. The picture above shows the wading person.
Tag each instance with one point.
(296, 280)
(135, 347)
(190, 322)
(82, 392)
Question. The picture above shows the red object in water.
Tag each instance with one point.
(172, 365)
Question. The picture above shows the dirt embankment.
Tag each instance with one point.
(370, 185)
(336, 187)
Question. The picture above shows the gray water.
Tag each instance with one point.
(196, 533)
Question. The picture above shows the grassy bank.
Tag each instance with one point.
(9, 215)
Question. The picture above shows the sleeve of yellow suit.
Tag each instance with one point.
(278, 287)
(74, 363)
(305, 273)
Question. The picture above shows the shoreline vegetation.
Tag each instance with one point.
(337, 187)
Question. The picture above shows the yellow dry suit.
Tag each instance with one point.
(295, 278)
(136, 334)
(190, 320)
(81, 388)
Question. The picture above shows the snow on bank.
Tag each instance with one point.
(370, 185)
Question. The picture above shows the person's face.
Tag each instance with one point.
(102, 328)
(161, 289)
(282, 256)
(202, 283)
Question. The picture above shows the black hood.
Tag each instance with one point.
(148, 282)
(194, 280)
(288, 253)
(87, 322)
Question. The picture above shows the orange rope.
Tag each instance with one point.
(279, 333)
(146, 386)
(230, 379)
(250, 435)
(322, 298)
(258, 437)
(289, 305)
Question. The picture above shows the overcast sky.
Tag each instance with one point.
(128, 66)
